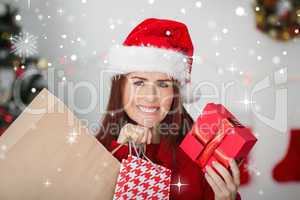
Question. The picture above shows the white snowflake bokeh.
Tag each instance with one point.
(179, 184)
(47, 183)
(24, 44)
(72, 137)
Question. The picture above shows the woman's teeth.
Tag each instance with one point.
(148, 110)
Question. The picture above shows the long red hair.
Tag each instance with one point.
(177, 121)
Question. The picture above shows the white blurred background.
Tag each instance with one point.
(229, 52)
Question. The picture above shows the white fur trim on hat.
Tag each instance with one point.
(125, 59)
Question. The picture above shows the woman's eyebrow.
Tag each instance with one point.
(138, 77)
(160, 80)
(164, 80)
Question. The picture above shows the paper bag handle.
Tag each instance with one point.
(142, 149)
(130, 144)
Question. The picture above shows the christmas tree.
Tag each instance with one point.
(22, 76)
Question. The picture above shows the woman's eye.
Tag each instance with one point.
(138, 83)
(163, 84)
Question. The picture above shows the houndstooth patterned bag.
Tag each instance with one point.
(142, 179)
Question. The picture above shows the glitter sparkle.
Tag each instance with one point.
(179, 184)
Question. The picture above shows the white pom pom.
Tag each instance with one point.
(190, 93)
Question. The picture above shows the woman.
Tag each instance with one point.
(153, 68)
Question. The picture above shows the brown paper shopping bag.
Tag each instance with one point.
(48, 154)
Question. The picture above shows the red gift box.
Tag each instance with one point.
(217, 136)
(141, 179)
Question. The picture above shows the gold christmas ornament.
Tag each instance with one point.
(280, 19)
(42, 63)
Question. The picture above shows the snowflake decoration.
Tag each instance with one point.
(240, 11)
(47, 183)
(248, 102)
(24, 44)
(232, 68)
(60, 11)
(179, 184)
(72, 137)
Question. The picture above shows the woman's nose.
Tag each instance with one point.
(150, 93)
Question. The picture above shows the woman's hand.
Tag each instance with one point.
(136, 133)
(224, 190)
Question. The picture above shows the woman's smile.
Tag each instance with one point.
(148, 109)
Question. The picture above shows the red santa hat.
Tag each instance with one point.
(157, 45)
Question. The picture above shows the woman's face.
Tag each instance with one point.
(147, 97)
